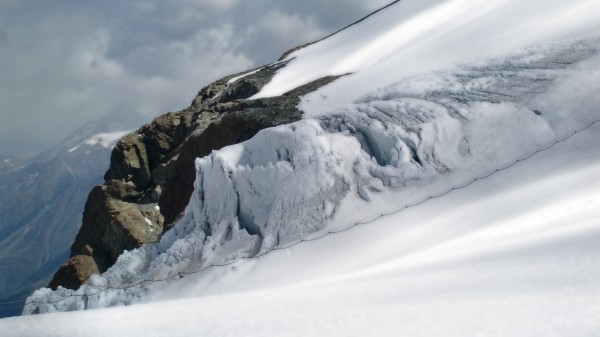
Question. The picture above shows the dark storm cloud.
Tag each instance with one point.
(63, 63)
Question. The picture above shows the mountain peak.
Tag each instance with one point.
(114, 123)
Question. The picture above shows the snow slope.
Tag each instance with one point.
(104, 139)
(408, 127)
(515, 254)
(418, 36)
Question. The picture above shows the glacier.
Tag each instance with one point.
(394, 147)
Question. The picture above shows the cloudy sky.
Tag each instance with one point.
(66, 62)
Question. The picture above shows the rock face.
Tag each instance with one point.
(151, 175)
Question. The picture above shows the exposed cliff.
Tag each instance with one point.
(151, 175)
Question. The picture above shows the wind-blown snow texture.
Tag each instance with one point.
(393, 147)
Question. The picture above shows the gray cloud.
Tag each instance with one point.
(66, 62)
(3, 39)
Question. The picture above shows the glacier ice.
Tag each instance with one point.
(395, 146)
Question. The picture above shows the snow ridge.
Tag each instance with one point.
(105, 140)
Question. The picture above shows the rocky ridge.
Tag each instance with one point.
(151, 174)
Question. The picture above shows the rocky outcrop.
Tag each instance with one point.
(77, 268)
(151, 175)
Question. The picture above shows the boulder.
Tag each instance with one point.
(74, 272)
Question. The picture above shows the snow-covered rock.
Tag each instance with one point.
(396, 146)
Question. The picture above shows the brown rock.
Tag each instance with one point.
(129, 161)
(75, 271)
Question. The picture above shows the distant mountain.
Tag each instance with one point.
(41, 201)
(117, 121)
(11, 163)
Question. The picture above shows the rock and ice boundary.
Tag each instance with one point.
(396, 145)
